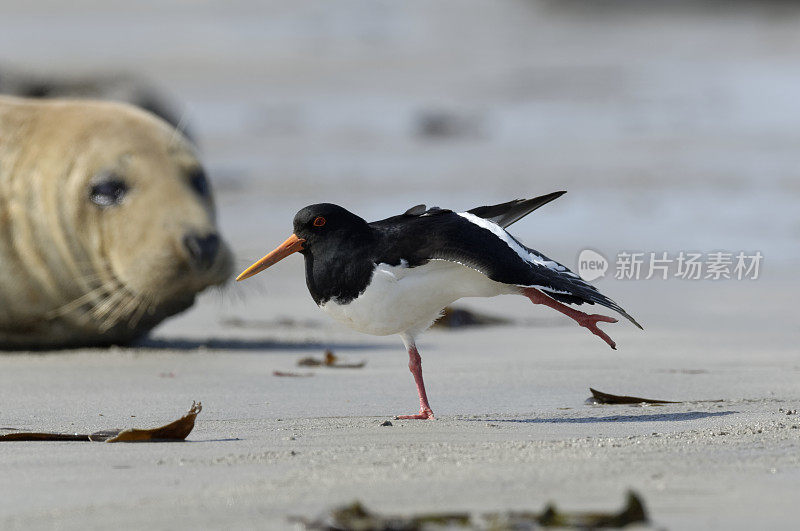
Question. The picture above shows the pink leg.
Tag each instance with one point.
(415, 366)
(584, 319)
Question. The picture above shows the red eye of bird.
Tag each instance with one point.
(320, 221)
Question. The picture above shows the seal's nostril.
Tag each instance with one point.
(202, 249)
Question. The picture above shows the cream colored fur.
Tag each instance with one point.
(75, 274)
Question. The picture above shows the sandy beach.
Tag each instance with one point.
(671, 130)
(513, 430)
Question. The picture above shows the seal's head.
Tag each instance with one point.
(114, 226)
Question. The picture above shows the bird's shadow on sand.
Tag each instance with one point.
(186, 344)
(658, 417)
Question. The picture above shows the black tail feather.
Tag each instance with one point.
(588, 294)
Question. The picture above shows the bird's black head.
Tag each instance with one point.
(324, 228)
(325, 222)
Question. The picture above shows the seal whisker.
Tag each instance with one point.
(227, 294)
(179, 129)
(119, 310)
(128, 308)
(115, 288)
(148, 304)
(129, 304)
(108, 304)
(76, 303)
(144, 304)
(111, 318)
(91, 278)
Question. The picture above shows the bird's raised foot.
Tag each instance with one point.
(590, 322)
(585, 320)
(424, 414)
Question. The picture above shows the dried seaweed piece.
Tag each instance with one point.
(174, 431)
(458, 318)
(330, 360)
(310, 362)
(599, 397)
(632, 513)
(36, 436)
(356, 516)
(291, 374)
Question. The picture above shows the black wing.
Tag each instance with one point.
(505, 214)
(445, 235)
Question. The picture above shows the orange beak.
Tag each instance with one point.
(291, 245)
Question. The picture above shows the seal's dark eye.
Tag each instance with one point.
(199, 182)
(319, 221)
(108, 192)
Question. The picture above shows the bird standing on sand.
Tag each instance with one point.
(395, 276)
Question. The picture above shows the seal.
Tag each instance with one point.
(107, 224)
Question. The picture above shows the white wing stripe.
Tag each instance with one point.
(531, 258)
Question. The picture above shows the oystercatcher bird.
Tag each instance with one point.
(395, 276)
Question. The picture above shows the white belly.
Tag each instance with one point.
(402, 299)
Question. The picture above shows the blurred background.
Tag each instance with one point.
(673, 125)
